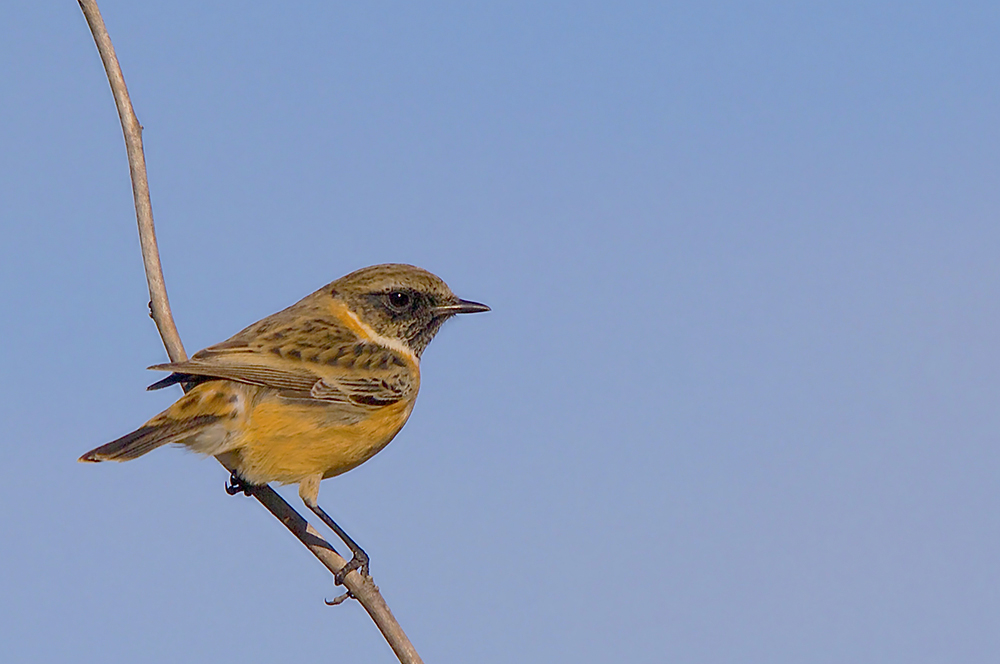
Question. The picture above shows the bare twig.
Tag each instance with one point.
(159, 305)
(363, 589)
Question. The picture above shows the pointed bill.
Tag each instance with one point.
(461, 307)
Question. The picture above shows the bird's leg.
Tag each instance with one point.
(237, 484)
(309, 493)
(359, 559)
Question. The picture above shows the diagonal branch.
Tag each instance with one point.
(363, 589)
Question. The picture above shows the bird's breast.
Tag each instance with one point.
(286, 440)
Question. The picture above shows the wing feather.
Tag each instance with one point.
(303, 352)
(253, 374)
(366, 386)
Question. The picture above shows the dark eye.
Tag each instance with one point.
(399, 300)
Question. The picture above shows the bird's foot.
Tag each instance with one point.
(358, 562)
(236, 484)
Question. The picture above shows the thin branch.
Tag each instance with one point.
(159, 305)
(364, 589)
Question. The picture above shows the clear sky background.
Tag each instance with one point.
(737, 397)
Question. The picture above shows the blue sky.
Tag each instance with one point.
(736, 400)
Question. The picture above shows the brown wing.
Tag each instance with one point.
(307, 357)
(344, 386)
(253, 374)
(373, 392)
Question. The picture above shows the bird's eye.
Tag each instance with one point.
(398, 300)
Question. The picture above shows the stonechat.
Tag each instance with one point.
(309, 392)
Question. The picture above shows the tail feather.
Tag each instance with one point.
(147, 438)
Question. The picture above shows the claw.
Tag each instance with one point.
(339, 599)
(236, 485)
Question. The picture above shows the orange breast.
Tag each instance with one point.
(284, 441)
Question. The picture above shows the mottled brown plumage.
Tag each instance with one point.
(311, 391)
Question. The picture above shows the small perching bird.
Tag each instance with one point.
(309, 392)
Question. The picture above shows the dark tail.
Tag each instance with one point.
(147, 438)
(129, 446)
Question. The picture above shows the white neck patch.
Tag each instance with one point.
(381, 340)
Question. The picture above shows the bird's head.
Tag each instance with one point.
(401, 302)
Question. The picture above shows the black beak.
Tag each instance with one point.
(460, 307)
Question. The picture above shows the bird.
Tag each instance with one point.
(307, 393)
